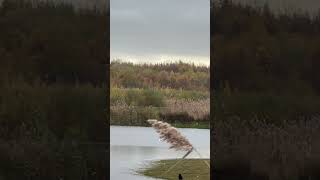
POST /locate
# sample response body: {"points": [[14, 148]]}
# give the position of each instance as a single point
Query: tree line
{"points": [[53, 43], [257, 50], [177, 75]]}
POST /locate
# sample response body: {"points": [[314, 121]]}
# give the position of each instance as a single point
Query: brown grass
{"points": [[286, 152], [183, 111], [195, 109]]}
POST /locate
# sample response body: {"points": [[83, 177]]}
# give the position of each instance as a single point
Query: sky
{"points": [[151, 31]]}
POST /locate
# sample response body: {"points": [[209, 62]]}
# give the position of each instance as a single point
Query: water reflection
{"points": [[134, 147]]}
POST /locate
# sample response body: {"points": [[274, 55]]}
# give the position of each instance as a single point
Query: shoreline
{"points": [[189, 168], [173, 124]]}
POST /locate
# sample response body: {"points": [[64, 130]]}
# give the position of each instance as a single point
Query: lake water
{"points": [[132, 148]]}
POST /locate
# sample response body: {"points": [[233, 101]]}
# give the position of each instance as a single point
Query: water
{"points": [[132, 148]]}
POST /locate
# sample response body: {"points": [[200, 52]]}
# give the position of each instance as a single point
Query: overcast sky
{"points": [[158, 30]]}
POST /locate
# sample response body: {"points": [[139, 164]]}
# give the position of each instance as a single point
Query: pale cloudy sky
{"points": [[160, 30]]}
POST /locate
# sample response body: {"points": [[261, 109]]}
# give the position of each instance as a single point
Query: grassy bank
{"points": [[137, 116], [197, 125], [188, 168], [134, 106]]}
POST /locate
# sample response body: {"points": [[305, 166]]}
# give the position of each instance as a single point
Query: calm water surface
{"points": [[134, 147]]}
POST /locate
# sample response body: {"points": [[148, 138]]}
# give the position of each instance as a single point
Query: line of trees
{"points": [[256, 50], [53, 43], [171, 75]]}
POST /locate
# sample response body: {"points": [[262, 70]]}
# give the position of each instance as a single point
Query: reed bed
{"points": [[179, 112], [50, 106], [264, 151], [42, 128], [198, 110]]}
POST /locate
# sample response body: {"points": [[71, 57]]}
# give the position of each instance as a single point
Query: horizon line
{"points": [[161, 62]]}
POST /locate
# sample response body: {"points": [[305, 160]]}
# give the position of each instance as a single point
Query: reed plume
{"points": [[171, 135]]}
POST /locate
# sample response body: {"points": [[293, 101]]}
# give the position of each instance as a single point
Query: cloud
{"points": [[180, 28]]}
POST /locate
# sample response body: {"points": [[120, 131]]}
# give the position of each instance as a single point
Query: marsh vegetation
{"points": [[265, 92], [176, 92], [52, 91]]}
